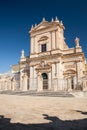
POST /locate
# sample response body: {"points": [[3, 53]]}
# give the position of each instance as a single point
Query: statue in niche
{"points": [[43, 64]]}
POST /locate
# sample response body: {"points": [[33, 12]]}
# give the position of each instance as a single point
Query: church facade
{"points": [[51, 65]]}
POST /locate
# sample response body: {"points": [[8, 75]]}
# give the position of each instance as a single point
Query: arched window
{"points": [[43, 43], [44, 75]]}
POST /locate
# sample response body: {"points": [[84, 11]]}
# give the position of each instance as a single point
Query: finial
{"points": [[77, 41], [32, 27], [35, 24], [61, 22], [52, 20], [56, 19], [43, 19]]}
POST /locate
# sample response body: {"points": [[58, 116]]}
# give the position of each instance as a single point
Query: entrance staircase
{"points": [[35, 93]]}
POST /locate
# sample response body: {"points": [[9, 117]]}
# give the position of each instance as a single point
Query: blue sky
{"points": [[17, 17]]}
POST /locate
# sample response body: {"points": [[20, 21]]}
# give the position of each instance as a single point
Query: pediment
{"points": [[45, 25], [41, 26]]}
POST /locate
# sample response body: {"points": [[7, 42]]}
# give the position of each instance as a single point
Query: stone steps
{"points": [[34, 93]]}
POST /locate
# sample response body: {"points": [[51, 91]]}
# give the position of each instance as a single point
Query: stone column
{"points": [[40, 83], [49, 42], [25, 83], [31, 77], [58, 68], [5, 85], [53, 40], [55, 84], [35, 78], [60, 77], [49, 81], [9, 84], [78, 71], [56, 78], [53, 76], [57, 42], [36, 45], [13, 84], [53, 71], [21, 80]]}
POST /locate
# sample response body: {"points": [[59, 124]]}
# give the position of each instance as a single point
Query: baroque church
{"points": [[51, 65]]}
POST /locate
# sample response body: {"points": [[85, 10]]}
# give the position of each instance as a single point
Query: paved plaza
{"points": [[42, 113]]}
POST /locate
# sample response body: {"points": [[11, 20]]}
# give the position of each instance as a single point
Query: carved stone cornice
{"points": [[46, 57], [74, 55]]}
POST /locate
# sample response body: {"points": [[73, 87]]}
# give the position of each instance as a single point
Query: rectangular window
{"points": [[43, 47]]}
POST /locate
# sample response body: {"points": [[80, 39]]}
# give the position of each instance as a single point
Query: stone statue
{"points": [[22, 54], [77, 41], [42, 64]]}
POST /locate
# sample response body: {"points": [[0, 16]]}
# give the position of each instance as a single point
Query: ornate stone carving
{"points": [[42, 67]]}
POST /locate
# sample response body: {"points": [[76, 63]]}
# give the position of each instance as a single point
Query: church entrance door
{"points": [[45, 81]]}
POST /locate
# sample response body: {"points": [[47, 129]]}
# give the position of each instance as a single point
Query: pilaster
{"points": [[40, 83], [49, 81], [49, 42], [25, 83], [53, 71], [5, 85], [57, 41], [21, 81], [35, 78], [32, 45], [53, 40], [31, 78], [36, 45]]}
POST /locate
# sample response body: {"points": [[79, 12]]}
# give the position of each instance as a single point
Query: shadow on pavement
{"points": [[84, 113], [54, 124]]}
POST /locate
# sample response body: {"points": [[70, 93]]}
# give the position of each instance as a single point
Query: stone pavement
{"points": [[42, 113]]}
